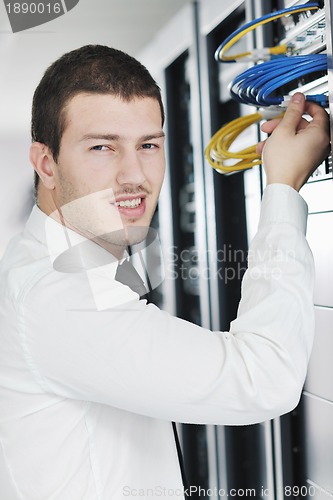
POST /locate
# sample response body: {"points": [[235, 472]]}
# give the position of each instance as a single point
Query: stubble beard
{"points": [[87, 215]]}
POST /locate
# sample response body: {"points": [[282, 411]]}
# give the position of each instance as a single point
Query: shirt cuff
{"points": [[283, 204]]}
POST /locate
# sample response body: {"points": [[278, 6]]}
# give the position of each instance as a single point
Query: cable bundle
{"points": [[218, 150], [257, 84]]}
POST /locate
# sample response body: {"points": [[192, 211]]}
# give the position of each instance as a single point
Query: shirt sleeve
{"points": [[138, 358]]}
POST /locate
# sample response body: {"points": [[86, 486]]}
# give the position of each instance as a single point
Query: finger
{"points": [[319, 127], [260, 147], [319, 116], [269, 126], [294, 112]]}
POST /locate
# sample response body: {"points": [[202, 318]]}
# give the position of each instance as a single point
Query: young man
{"points": [[91, 376]]}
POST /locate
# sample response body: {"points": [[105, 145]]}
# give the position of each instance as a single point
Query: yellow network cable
{"points": [[258, 54], [218, 151]]}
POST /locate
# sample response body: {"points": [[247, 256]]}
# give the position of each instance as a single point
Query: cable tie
{"points": [[257, 55]]}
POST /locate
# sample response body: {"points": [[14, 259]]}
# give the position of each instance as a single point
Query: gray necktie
{"points": [[128, 275]]}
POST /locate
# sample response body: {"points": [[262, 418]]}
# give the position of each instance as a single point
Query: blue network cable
{"points": [[267, 52], [258, 84]]}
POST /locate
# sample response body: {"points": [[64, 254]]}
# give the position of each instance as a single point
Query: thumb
{"points": [[295, 110]]}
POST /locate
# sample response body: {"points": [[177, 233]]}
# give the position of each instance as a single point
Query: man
{"points": [[90, 375]]}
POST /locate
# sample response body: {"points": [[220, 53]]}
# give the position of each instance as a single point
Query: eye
{"points": [[100, 147], [148, 145]]}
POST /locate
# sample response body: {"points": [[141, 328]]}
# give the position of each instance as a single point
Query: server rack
{"points": [[202, 212]]}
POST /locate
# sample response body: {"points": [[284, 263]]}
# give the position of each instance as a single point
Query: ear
{"points": [[42, 160]]}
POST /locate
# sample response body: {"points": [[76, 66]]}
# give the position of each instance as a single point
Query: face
{"points": [[110, 167]]}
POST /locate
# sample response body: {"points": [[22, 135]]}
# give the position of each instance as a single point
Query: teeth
{"points": [[129, 203]]}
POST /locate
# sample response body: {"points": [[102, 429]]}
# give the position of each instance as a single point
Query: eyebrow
{"points": [[115, 137]]}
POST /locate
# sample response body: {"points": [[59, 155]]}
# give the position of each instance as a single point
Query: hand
{"points": [[297, 146]]}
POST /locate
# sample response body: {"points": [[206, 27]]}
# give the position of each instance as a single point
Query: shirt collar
{"points": [[69, 251]]}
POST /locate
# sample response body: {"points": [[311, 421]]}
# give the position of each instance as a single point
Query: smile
{"points": [[129, 203]]}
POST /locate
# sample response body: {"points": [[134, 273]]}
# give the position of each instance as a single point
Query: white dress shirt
{"points": [[91, 376]]}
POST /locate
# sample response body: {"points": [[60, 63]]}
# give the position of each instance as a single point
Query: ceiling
{"points": [[128, 25]]}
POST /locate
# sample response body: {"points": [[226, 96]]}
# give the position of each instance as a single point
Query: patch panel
{"points": [[307, 36]]}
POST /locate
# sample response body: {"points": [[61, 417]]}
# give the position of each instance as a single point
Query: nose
{"points": [[131, 170]]}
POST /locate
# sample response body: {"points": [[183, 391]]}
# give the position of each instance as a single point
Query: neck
{"points": [[46, 204]]}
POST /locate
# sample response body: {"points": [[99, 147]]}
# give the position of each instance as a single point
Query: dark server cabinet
{"points": [[244, 447], [230, 219], [182, 183], [187, 283]]}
